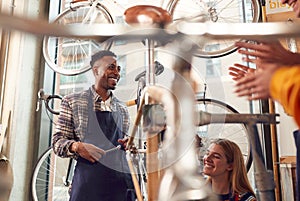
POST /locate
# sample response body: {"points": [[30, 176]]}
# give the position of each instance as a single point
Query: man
{"points": [[90, 123]]}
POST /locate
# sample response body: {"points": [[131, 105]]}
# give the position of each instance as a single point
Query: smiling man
{"points": [[90, 123]]}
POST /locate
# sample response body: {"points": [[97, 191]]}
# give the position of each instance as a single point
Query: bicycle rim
{"points": [[71, 56], [215, 11], [237, 133], [49, 176]]}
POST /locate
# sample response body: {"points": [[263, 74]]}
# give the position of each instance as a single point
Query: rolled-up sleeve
{"points": [[64, 133]]}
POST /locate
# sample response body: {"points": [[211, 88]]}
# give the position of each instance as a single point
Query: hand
{"points": [[289, 2], [237, 71], [89, 152], [123, 142], [256, 85], [296, 8], [267, 52], [294, 4]]}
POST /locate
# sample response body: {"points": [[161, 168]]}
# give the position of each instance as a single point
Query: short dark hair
{"points": [[100, 54]]}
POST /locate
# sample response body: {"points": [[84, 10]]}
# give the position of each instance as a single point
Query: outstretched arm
{"points": [[267, 52], [268, 57]]}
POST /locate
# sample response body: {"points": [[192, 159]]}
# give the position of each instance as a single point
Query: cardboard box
{"points": [[288, 178]]}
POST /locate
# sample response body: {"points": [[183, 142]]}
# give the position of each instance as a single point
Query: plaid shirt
{"points": [[73, 119]]}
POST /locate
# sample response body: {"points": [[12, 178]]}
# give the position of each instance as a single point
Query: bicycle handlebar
{"points": [[46, 98], [131, 102]]}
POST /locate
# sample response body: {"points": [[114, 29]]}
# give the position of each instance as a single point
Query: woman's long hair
{"points": [[238, 178]]}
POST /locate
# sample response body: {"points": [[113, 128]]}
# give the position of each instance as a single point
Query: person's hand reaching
{"points": [[237, 71], [267, 52], [268, 57], [256, 85]]}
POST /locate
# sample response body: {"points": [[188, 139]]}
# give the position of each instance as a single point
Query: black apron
{"points": [[108, 179]]}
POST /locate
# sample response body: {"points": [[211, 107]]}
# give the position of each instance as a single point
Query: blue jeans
{"points": [[297, 143]]}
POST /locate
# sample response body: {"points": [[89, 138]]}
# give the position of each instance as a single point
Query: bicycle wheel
{"points": [[215, 11], [71, 56], [51, 178], [237, 133]]}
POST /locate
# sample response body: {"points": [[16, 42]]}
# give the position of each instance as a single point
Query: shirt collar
{"points": [[97, 97]]}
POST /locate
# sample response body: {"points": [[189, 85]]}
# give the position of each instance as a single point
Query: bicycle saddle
{"points": [[159, 68], [146, 14]]}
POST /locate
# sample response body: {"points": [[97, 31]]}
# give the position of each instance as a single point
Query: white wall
{"points": [[285, 129]]}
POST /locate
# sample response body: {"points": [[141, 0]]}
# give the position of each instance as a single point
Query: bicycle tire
{"points": [[71, 56], [215, 11], [237, 133], [48, 181]]}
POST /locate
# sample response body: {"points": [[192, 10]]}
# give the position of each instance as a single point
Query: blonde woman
{"points": [[224, 166]]}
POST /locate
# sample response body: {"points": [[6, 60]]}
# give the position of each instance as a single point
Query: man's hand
{"points": [[88, 151], [123, 142]]}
